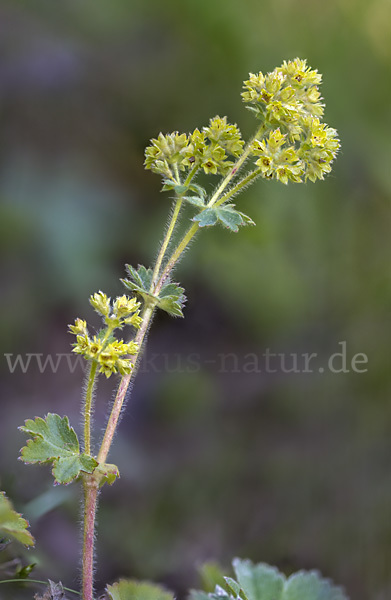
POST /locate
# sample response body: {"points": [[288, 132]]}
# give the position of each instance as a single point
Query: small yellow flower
{"points": [[80, 327], [125, 306], [101, 303]]}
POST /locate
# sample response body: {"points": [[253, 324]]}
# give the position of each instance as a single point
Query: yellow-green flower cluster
{"points": [[110, 354], [295, 145], [285, 95], [166, 152], [123, 311], [276, 159], [208, 149]]}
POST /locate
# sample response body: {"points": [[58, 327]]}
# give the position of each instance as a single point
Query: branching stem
{"points": [[159, 277], [236, 168]]}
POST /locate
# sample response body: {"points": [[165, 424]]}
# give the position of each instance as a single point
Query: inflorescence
{"points": [[296, 144], [292, 144], [208, 149], [109, 353]]}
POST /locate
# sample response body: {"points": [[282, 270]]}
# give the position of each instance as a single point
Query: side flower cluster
{"points": [[295, 145], [109, 352], [209, 149]]}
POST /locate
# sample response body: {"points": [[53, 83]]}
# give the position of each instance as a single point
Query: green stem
{"points": [[91, 491], [37, 581], [236, 168], [123, 387], [166, 241], [239, 186], [176, 255], [170, 230], [88, 407]]}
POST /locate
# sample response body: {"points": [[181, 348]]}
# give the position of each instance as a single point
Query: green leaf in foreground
{"points": [[135, 590], [263, 582], [12, 524], [53, 440], [259, 582]]}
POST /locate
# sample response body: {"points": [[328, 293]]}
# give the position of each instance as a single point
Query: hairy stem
{"points": [[176, 255], [90, 485], [166, 241], [88, 407], [249, 178], [123, 387], [170, 229], [91, 491], [236, 168]]}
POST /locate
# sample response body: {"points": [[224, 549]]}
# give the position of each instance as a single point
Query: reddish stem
{"points": [[91, 492]]}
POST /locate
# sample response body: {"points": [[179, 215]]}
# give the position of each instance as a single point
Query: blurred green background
{"points": [[288, 468]]}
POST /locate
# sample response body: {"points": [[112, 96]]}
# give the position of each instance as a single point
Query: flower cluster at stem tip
{"points": [[288, 102], [109, 352], [208, 149], [291, 144]]}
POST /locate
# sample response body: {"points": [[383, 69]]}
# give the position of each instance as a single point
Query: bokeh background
{"points": [[292, 469]]}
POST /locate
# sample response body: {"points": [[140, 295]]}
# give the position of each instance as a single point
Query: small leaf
{"points": [[133, 273], [229, 217], [171, 289], [194, 187], [206, 218], [53, 440], [25, 571], [136, 590], [233, 586], [172, 299], [168, 184], [12, 523], [195, 200], [108, 473], [246, 219], [226, 214], [140, 282], [180, 189], [171, 306], [145, 275]]}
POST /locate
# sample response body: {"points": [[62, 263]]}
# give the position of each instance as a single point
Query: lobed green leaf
{"points": [[12, 523], [226, 215], [207, 217], [171, 297], [195, 200], [259, 582], [108, 473], [53, 440], [263, 582]]}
